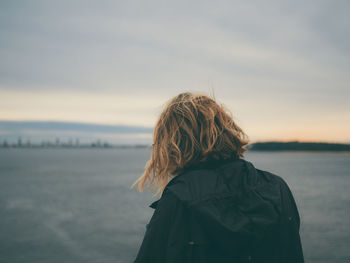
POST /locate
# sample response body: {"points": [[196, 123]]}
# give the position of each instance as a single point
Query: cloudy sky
{"points": [[281, 67]]}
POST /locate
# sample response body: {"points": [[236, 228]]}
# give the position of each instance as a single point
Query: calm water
{"points": [[75, 205]]}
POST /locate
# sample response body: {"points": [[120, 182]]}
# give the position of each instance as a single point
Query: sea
{"points": [[76, 205]]}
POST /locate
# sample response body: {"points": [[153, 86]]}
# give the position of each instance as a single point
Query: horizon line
{"points": [[74, 122], [127, 129]]}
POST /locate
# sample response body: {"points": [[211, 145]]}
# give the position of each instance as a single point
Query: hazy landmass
{"points": [[67, 134], [298, 146], [258, 146]]}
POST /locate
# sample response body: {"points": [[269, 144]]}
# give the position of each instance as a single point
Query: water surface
{"points": [[75, 205]]}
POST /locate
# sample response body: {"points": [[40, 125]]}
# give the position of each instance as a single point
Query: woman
{"points": [[214, 206]]}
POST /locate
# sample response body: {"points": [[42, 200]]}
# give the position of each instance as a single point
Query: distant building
{"points": [[19, 142], [5, 144]]}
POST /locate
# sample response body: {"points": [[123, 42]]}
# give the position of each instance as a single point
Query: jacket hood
{"points": [[229, 203]]}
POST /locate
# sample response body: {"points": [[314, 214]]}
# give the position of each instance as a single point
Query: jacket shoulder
{"points": [[287, 198], [191, 184]]}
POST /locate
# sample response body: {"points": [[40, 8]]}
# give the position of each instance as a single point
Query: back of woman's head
{"points": [[192, 129]]}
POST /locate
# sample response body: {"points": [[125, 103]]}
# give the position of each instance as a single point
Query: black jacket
{"points": [[223, 211]]}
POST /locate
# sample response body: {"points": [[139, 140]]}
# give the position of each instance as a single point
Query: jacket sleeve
{"points": [[155, 241], [294, 251]]}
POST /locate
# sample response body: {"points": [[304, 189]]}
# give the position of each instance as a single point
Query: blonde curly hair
{"points": [[192, 129]]}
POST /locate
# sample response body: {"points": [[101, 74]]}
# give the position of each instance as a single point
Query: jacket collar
{"points": [[154, 204], [203, 165]]}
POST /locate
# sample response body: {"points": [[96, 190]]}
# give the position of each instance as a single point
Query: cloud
{"points": [[100, 108], [158, 45], [272, 55]]}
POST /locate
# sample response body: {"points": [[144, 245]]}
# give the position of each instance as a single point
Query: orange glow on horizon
{"points": [[116, 109]]}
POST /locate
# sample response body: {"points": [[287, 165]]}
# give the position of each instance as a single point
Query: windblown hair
{"points": [[192, 129]]}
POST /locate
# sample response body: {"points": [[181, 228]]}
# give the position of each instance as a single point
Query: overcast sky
{"points": [[281, 67]]}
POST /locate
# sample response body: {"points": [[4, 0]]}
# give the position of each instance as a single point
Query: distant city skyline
{"points": [[282, 68], [69, 132]]}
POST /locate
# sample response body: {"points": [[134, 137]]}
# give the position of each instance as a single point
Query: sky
{"points": [[281, 67]]}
